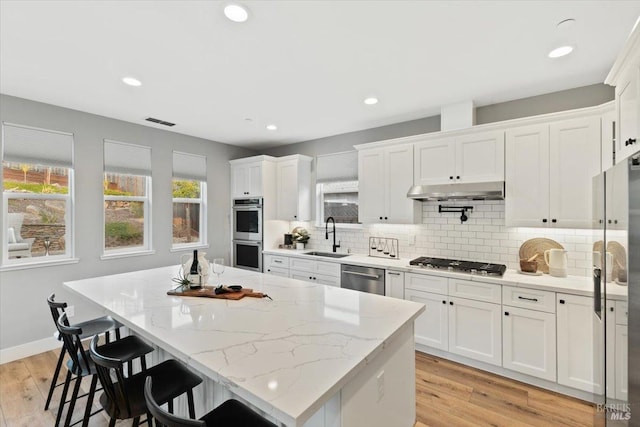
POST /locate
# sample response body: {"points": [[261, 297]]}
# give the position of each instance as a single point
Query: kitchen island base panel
{"points": [[387, 381]]}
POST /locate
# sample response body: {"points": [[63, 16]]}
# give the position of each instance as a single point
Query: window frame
{"points": [[320, 220], [69, 256], [147, 246], [202, 202]]}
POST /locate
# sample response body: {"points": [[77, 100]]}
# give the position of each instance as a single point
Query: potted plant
{"points": [[300, 236]]}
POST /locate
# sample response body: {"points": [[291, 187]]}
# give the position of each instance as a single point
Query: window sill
{"points": [[37, 264], [116, 255], [189, 247], [343, 226]]}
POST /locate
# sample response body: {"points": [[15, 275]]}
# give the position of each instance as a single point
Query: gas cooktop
{"points": [[481, 268]]}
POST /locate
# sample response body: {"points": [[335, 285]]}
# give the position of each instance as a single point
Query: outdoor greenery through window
{"points": [[126, 207], [37, 203], [188, 210], [339, 200]]}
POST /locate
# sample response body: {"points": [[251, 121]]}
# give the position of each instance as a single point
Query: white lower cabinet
{"points": [[463, 326], [475, 330], [579, 344], [529, 342], [431, 328], [394, 284], [308, 270]]}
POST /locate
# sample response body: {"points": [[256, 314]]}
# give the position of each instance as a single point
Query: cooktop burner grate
{"points": [[472, 267]]}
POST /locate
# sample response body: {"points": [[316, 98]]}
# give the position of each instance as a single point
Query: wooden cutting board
{"points": [[538, 246], [209, 292]]}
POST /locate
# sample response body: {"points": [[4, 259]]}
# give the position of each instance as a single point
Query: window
{"points": [[189, 200], [37, 175], [337, 187], [127, 198], [339, 200]]}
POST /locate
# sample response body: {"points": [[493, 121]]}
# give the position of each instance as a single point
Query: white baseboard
{"points": [[29, 349]]}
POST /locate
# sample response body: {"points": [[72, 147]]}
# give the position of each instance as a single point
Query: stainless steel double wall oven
{"points": [[247, 233]]}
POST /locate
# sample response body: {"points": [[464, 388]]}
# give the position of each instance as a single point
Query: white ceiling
{"points": [[303, 65]]}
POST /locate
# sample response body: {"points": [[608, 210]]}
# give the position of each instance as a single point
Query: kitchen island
{"points": [[312, 356]]}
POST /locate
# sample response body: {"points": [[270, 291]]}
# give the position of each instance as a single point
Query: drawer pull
{"points": [[528, 299], [393, 274], [277, 261]]}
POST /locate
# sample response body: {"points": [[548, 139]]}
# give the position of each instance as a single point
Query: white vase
{"points": [[187, 259]]}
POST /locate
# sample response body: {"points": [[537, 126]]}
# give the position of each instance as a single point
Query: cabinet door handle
{"points": [[268, 269], [528, 299], [451, 177], [506, 313], [632, 141], [357, 273], [444, 302], [393, 273], [295, 216], [277, 261], [458, 177], [386, 217], [544, 219], [450, 302], [561, 301], [310, 278], [554, 220], [610, 308], [380, 217]]}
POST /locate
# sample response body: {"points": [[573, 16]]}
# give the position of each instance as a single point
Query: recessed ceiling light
{"points": [[272, 127], [560, 51], [371, 100], [131, 81], [236, 12]]}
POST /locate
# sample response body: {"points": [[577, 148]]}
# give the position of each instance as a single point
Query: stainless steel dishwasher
{"points": [[364, 279]]}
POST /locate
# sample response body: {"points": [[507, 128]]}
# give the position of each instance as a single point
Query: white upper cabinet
{"points": [[549, 171], [527, 176], [574, 159], [293, 188], [627, 107], [625, 76], [476, 157], [246, 179], [385, 175]]}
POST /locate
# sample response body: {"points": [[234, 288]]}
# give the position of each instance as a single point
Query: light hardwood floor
{"points": [[447, 394]]}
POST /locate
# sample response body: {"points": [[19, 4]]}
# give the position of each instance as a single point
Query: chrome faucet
{"points": [[326, 232]]}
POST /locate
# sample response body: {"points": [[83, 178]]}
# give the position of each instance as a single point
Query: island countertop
{"points": [[287, 356]]}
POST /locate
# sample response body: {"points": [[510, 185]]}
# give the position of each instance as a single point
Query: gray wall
{"points": [[570, 99], [24, 315]]}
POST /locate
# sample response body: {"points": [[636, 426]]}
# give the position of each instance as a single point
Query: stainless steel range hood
{"points": [[470, 191]]}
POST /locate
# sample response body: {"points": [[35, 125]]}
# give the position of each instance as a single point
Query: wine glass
{"points": [[217, 266]]}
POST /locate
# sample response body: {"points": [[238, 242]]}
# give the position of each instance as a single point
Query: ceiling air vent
{"points": [[160, 122]]}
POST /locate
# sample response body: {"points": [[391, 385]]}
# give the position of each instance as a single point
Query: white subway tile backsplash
{"points": [[484, 237]]}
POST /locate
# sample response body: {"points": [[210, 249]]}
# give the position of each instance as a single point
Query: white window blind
{"points": [[24, 144], [337, 167], [189, 166], [129, 159]]}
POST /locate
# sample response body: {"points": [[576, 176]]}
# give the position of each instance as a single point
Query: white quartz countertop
{"points": [[287, 356], [575, 285]]}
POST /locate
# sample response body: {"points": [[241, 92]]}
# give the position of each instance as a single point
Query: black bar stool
{"points": [[124, 398], [231, 413], [91, 327], [80, 365]]}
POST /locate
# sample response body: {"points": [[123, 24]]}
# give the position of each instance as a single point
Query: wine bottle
{"points": [[194, 274]]}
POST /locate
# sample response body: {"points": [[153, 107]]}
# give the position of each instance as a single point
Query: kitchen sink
{"points": [[327, 254]]}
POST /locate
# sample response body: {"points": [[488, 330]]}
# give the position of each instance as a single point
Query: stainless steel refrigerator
{"points": [[616, 286]]}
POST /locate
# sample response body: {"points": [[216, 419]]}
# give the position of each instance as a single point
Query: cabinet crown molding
{"points": [[495, 126], [630, 53], [253, 159]]}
